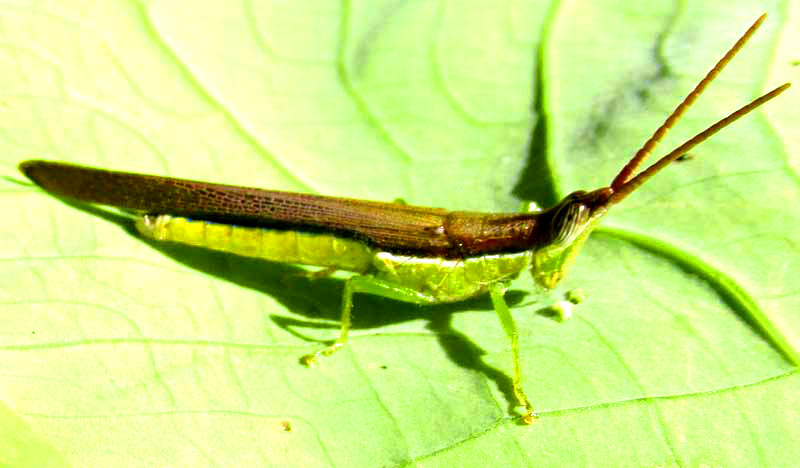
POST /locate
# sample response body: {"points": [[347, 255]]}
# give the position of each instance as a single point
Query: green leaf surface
{"points": [[120, 352]]}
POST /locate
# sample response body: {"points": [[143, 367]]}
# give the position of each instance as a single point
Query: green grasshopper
{"points": [[403, 252]]}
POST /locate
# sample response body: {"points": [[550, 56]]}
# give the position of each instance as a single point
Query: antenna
{"points": [[623, 184], [643, 176]]}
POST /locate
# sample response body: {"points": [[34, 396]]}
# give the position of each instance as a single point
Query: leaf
{"points": [[120, 352]]}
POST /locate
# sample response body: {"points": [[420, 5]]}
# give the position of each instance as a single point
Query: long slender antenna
{"points": [[642, 177], [626, 172]]}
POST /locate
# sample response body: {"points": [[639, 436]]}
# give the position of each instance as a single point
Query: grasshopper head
{"points": [[566, 227], [574, 214]]}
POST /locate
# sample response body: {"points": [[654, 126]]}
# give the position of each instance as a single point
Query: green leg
{"points": [[366, 285], [496, 292]]}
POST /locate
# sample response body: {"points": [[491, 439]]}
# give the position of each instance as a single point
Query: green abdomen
{"points": [[444, 279], [270, 244], [450, 280]]}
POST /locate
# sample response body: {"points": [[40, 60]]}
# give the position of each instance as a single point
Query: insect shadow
{"points": [[290, 285]]}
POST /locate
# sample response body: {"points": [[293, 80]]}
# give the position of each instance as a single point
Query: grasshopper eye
{"points": [[569, 220]]}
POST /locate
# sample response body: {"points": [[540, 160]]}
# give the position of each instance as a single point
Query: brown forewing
{"points": [[390, 226]]}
